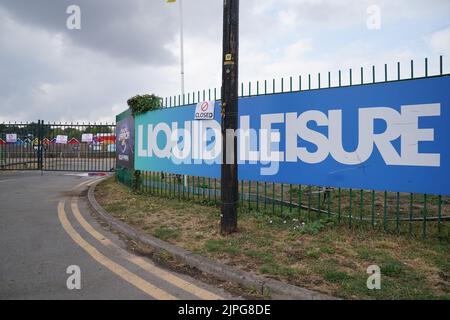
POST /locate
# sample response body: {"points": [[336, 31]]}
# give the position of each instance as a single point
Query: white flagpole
{"points": [[182, 47], [182, 63]]}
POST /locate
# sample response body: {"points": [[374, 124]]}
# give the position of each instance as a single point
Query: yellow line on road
{"points": [[122, 272], [83, 183], [88, 182], [145, 265]]}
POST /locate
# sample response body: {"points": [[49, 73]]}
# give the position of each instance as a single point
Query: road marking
{"points": [[96, 180], [82, 184], [145, 265], [6, 180], [122, 272], [88, 182]]}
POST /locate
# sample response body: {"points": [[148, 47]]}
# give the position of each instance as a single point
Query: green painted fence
{"points": [[416, 215]]}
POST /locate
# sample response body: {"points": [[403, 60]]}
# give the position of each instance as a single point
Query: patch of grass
{"points": [[275, 269], [392, 269], [264, 257], [222, 246], [313, 228], [328, 250], [336, 276], [313, 253], [214, 245], [166, 233], [364, 253], [232, 250]]}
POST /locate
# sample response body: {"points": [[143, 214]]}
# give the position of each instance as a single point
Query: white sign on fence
{"points": [[205, 110], [60, 139], [11, 138], [87, 137]]}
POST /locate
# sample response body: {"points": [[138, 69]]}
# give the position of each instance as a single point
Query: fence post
{"points": [[40, 134]]}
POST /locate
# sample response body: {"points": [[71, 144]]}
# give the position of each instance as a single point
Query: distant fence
{"points": [[416, 215], [35, 146]]}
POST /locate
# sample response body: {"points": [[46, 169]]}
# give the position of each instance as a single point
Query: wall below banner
{"points": [[387, 136]]}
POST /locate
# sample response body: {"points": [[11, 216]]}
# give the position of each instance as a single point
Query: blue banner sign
{"points": [[387, 136]]}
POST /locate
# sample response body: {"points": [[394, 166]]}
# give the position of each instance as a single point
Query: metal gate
{"points": [[57, 147]]}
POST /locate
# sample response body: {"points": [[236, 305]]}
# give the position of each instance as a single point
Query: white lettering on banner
{"points": [[141, 151], [411, 135], [272, 136], [164, 128], [298, 127], [365, 145], [201, 141], [246, 135], [181, 151], [210, 130]]}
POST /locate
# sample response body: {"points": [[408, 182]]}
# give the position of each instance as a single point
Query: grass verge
{"points": [[318, 255]]}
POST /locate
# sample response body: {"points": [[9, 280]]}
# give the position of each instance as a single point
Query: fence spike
{"points": [[373, 74], [385, 72], [362, 75]]}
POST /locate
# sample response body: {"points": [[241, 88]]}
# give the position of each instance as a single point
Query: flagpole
{"points": [[185, 182], [182, 48]]}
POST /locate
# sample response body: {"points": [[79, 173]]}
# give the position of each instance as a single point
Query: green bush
{"points": [[141, 104]]}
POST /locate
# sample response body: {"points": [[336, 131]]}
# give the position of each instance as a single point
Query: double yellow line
{"points": [[125, 274]]}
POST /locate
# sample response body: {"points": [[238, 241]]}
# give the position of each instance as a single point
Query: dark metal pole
{"points": [[229, 183], [39, 146]]}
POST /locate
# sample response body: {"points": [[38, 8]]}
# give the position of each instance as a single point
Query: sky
{"points": [[125, 48]]}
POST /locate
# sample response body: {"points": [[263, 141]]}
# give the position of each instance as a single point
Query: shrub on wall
{"points": [[141, 104]]}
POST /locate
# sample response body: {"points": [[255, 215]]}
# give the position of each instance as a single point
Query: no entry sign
{"points": [[204, 110]]}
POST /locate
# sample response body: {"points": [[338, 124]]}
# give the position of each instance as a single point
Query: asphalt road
{"points": [[46, 226]]}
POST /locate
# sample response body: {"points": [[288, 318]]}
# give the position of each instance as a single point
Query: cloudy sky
{"points": [[131, 47]]}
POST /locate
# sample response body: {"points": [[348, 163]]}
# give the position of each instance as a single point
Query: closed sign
{"points": [[204, 110]]}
